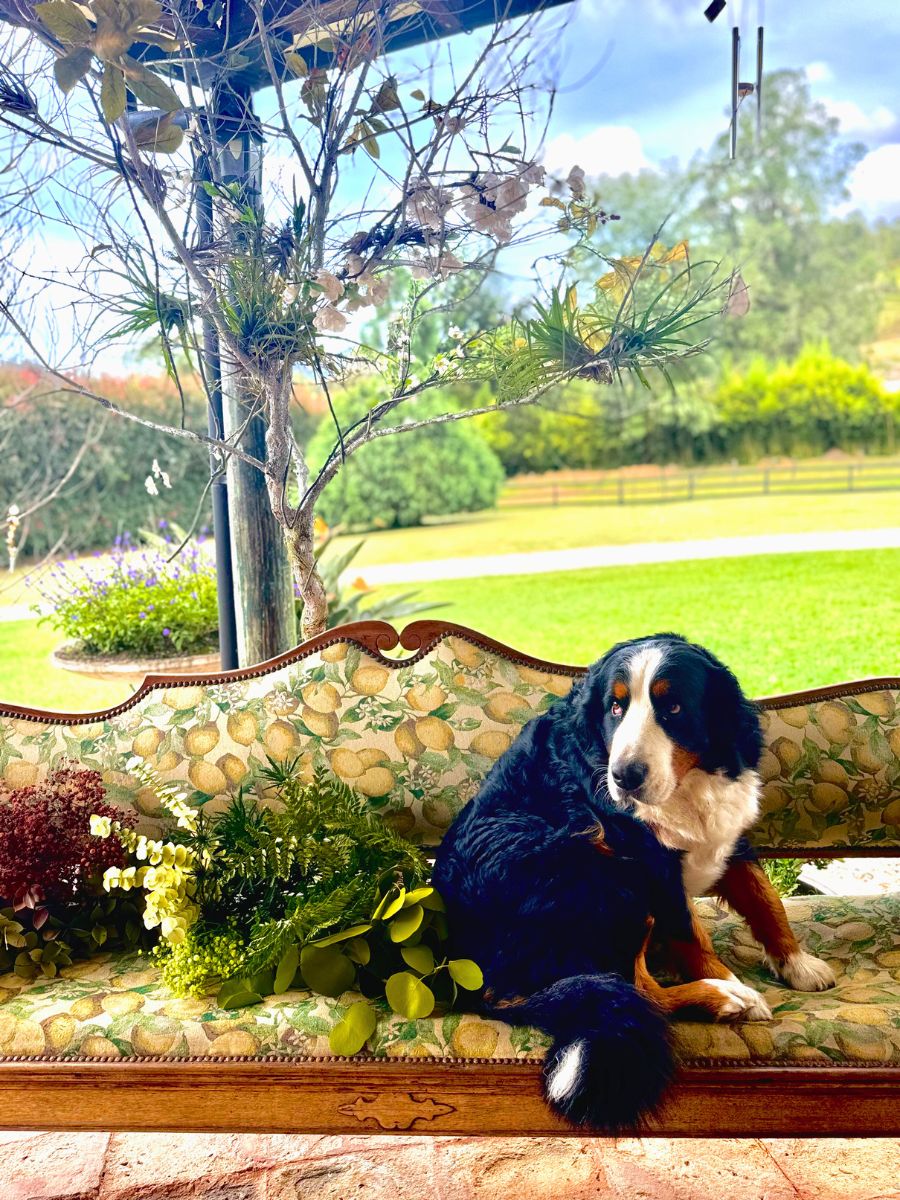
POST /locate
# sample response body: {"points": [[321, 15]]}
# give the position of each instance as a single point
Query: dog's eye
{"points": [[616, 709], [675, 708]]}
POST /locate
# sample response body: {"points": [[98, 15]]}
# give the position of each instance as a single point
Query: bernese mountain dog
{"points": [[606, 815]]}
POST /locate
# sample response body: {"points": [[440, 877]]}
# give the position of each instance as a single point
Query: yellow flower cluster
{"points": [[169, 879]]}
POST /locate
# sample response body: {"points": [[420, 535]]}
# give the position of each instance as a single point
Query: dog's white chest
{"points": [[704, 819]]}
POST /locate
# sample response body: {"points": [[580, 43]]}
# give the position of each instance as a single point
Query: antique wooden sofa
{"points": [[103, 1046]]}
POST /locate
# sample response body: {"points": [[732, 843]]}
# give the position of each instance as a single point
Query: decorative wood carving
{"points": [[395, 1111]]}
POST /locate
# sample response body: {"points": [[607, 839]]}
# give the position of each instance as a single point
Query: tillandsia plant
{"points": [[52, 905], [384, 165], [317, 893]]}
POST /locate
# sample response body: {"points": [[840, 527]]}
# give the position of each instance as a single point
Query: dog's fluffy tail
{"points": [[610, 1060]]}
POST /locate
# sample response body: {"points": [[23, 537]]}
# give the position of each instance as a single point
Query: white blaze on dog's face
{"points": [[641, 752]]}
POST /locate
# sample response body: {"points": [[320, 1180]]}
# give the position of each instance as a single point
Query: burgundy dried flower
{"points": [[47, 852]]}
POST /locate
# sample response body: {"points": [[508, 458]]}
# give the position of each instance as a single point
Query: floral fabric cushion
{"points": [[416, 739], [115, 1007]]}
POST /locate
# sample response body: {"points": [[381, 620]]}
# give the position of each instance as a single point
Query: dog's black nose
{"points": [[630, 777]]}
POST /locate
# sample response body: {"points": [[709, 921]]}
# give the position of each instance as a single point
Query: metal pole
{"points": [[219, 488]]}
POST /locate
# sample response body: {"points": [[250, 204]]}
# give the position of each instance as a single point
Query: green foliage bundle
{"points": [[317, 893], [394, 482]]}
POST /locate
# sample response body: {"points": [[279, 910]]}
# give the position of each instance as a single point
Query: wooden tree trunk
{"points": [[263, 584]]}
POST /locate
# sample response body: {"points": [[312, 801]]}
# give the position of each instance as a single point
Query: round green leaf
{"points": [[466, 973], [343, 936], [418, 896], [359, 951], [287, 969], [409, 996], [72, 67], [326, 971], [395, 905], [406, 923], [242, 999], [112, 93], [419, 958], [65, 21], [354, 1030]]}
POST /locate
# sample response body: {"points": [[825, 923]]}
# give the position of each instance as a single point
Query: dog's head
{"points": [[663, 706]]}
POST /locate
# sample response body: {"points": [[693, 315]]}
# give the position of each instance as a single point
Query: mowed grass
{"points": [[512, 530], [28, 677], [782, 623]]}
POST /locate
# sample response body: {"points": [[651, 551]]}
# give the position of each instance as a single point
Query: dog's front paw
{"points": [[739, 1002], [803, 972]]}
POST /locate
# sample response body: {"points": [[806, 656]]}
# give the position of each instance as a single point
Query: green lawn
{"points": [[791, 621], [508, 530], [787, 622]]}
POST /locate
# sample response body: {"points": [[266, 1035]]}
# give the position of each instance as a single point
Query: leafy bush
{"points": [[318, 893], [139, 603], [52, 906], [397, 481]]}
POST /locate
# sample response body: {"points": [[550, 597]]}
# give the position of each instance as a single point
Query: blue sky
{"points": [[660, 78]]}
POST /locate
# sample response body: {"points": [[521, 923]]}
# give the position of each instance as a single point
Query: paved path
{"points": [[542, 561]]}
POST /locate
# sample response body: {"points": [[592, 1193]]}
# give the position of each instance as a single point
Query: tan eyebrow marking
{"points": [[620, 690], [660, 687]]}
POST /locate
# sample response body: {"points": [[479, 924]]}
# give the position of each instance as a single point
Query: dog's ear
{"points": [[588, 697], [736, 735]]}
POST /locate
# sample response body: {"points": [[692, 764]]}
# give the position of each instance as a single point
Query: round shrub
{"points": [[398, 480]]}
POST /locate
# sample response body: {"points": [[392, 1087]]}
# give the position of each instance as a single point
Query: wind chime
{"points": [[740, 90]]}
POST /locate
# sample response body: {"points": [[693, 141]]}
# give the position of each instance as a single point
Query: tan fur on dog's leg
{"points": [[747, 889]]}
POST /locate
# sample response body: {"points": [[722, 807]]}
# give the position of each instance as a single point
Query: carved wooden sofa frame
{"points": [[455, 1096]]}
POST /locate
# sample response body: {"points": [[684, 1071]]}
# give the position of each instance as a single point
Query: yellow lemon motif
{"points": [[155, 1035], [888, 958], [346, 763], [168, 761], [95, 1046], [206, 777], [406, 741], [86, 1008], [438, 812], [424, 698], [323, 725], [335, 653], [409, 1050], [183, 697], [18, 1035], [200, 739], [120, 1003], [796, 717], [370, 757], [322, 697], [376, 781], [20, 774], [829, 771], [186, 1008], [774, 798], [696, 1040], [503, 705], [800, 1052], [865, 757], [827, 797], [862, 1042], [147, 742], [759, 1039], [769, 766], [890, 814], [474, 1038], [862, 1014], [59, 1031], [894, 741], [147, 802], [242, 728], [401, 822], [836, 721], [232, 768], [281, 739], [491, 743], [368, 680], [787, 752], [239, 1043], [434, 733], [879, 704], [465, 652]]}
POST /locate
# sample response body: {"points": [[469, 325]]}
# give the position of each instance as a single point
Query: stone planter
{"points": [[132, 671]]}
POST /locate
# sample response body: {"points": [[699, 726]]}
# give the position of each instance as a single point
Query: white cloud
{"points": [[855, 120], [819, 72], [606, 150], [875, 183]]}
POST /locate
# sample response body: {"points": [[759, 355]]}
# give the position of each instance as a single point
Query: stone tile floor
{"points": [[97, 1166]]}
